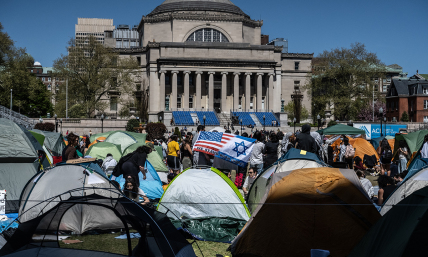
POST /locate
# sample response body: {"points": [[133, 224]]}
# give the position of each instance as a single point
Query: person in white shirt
{"points": [[252, 175], [367, 185], [108, 162], [402, 156], [256, 158]]}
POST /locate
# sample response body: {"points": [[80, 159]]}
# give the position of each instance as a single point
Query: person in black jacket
{"points": [[304, 140], [136, 163]]}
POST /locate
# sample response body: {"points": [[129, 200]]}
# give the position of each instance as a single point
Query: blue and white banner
{"points": [[229, 147], [374, 131]]}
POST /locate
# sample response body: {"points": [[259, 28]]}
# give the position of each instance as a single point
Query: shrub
{"points": [[132, 123], [46, 126], [155, 130], [331, 123], [404, 117]]}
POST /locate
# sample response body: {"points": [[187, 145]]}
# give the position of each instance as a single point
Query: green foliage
{"points": [[93, 72], [331, 123], [46, 126], [30, 96], [155, 130], [289, 107], [77, 111], [132, 123], [404, 117], [343, 80]]}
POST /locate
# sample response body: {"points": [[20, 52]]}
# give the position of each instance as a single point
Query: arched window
{"points": [[207, 35]]}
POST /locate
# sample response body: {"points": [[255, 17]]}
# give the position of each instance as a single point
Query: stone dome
{"points": [[197, 5], [37, 64]]}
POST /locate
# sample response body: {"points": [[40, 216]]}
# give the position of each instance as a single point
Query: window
{"points": [[31, 71], [49, 87], [425, 90], [425, 119], [296, 85], [384, 88], [296, 65], [113, 104], [191, 102], [388, 79], [178, 102], [425, 104], [49, 78], [207, 35], [43, 78]]}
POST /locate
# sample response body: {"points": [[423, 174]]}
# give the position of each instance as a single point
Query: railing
{"points": [[250, 110], [16, 117], [191, 110]]}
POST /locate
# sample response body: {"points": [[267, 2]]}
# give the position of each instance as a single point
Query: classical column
{"points": [[173, 98], [247, 90], [223, 91], [162, 90], [270, 105], [259, 91], [198, 90], [277, 90], [211, 91], [236, 91], [185, 100]]}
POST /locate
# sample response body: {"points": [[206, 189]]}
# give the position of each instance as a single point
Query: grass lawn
{"points": [[108, 243]]}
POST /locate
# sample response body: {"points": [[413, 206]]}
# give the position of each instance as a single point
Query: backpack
{"points": [[387, 154], [350, 151], [117, 171]]}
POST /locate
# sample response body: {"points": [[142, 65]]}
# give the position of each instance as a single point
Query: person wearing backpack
{"points": [[349, 153], [386, 157]]}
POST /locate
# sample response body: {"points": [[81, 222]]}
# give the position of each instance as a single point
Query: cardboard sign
{"points": [[2, 201], [81, 160]]}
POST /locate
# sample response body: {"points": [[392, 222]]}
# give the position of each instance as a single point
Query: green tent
{"points": [[53, 141], [101, 149], [39, 137], [414, 140], [153, 158], [340, 129], [159, 150], [95, 136], [400, 232], [14, 144], [139, 137]]}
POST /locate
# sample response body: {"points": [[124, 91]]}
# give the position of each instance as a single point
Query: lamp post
{"points": [[60, 121], [56, 123], [381, 112], [160, 119], [102, 123], [319, 120], [294, 123], [384, 121], [241, 126], [204, 119], [264, 122]]}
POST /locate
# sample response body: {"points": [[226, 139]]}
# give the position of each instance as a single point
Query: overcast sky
{"points": [[396, 31]]}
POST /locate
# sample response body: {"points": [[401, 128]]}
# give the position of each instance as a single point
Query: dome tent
{"points": [[101, 149], [210, 205], [53, 141], [164, 240], [121, 138], [153, 157], [294, 159], [315, 208], [18, 162], [77, 180]]}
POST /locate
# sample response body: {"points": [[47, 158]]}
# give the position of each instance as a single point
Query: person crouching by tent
{"points": [[169, 178], [173, 153], [367, 185], [135, 164], [133, 192], [108, 162]]}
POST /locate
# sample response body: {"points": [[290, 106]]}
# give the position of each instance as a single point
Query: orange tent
{"points": [[361, 146], [99, 139]]}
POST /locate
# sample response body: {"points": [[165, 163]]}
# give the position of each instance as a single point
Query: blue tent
{"points": [[294, 153], [152, 185]]}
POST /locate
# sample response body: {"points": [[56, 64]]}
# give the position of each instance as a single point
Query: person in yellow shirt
{"points": [[173, 159]]}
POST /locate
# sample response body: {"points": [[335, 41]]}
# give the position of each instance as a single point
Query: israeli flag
{"points": [[237, 150]]}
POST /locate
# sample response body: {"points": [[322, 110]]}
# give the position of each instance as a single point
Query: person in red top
{"points": [[359, 164]]}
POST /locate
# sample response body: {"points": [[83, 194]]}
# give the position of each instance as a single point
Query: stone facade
{"points": [[222, 68]]}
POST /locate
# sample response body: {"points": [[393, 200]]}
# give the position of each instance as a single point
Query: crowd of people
{"points": [[269, 146]]}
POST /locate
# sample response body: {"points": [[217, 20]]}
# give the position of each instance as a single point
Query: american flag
{"points": [[211, 142]]}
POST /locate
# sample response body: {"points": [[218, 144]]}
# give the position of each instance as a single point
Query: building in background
{"points": [[122, 37], [280, 42], [86, 27], [408, 95], [45, 75]]}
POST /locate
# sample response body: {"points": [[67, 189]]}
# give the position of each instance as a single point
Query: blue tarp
{"points": [[131, 235], [294, 153], [152, 185], [4, 224]]}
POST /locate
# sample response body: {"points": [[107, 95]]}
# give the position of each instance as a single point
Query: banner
{"points": [[229, 147], [374, 131]]}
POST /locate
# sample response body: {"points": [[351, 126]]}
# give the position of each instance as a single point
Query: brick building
{"points": [[45, 75], [408, 95]]}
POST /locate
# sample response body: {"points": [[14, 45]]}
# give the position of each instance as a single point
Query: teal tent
{"points": [[340, 129]]}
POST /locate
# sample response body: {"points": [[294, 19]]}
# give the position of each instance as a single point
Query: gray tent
{"points": [[53, 141], [78, 180], [18, 162]]}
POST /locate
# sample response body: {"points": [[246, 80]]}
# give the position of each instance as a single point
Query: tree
{"points": [[94, 72], [404, 117], [366, 112], [30, 96], [132, 124], [343, 80], [289, 107], [155, 130]]}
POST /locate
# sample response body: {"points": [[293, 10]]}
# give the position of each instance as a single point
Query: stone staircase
{"points": [[16, 117], [224, 118], [254, 117]]}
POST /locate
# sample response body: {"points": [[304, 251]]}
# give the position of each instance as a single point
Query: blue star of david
{"points": [[241, 146]]}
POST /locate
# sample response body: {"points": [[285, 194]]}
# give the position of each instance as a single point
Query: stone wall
{"points": [[84, 126]]}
